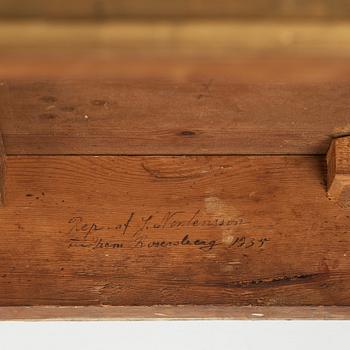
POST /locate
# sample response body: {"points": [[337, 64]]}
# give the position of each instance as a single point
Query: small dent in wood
{"points": [[187, 133]]}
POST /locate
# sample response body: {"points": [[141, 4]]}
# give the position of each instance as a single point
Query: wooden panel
{"points": [[144, 231], [183, 38], [327, 9], [167, 117]]}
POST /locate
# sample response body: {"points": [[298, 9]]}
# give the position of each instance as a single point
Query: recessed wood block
{"points": [[338, 173]]}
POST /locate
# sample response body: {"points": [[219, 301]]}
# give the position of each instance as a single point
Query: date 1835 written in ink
{"points": [[153, 231]]}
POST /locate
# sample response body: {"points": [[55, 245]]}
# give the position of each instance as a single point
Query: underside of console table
{"points": [[157, 167]]}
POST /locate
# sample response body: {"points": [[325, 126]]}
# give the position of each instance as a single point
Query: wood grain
{"points": [[90, 9], [143, 231], [146, 116]]}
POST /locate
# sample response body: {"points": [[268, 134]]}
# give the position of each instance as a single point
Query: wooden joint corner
{"points": [[338, 169]]}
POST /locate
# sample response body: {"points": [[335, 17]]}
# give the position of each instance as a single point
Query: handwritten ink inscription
{"points": [[136, 231]]}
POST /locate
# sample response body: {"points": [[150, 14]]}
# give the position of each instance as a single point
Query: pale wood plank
{"points": [[178, 312], [200, 38]]}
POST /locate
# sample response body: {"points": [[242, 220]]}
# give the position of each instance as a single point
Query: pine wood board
{"points": [[167, 117], [145, 231]]}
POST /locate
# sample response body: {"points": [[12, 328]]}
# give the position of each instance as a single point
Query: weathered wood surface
{"points": [[166, 117], [338, 164], [174, 312], [143, 231], [107, 9]]}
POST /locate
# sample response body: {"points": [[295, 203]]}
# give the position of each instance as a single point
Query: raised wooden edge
{"points": [[2, 172], [173, 312], [338, 167]]}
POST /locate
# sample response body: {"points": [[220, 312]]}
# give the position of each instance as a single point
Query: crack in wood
{"points": [[271, 282]]}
